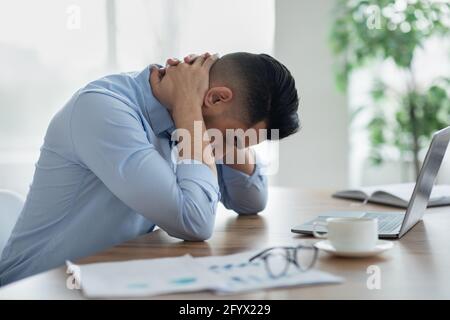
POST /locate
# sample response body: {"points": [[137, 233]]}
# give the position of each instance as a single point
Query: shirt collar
{"points": [[158, 115]]}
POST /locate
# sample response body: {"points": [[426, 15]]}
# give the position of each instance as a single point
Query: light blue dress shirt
{"points": [[105, 176]]}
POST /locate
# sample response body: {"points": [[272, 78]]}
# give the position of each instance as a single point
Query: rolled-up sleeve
{"points": [[109, 139], [243, 193]]}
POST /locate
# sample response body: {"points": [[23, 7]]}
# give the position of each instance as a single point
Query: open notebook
{"points": [[397, 195]]}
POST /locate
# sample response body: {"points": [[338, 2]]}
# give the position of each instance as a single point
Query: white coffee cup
{"points": [[349, 234]]}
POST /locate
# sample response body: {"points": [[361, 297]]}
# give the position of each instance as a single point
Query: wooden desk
{"points": [[417, 267]]}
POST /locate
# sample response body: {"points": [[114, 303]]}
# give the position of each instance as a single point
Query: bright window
{"points": [[50, 48]]}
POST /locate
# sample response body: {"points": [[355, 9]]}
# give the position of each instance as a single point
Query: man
{"points": [[105, 174]]}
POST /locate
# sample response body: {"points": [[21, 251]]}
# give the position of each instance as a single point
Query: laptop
{"points": [[395, 224]]}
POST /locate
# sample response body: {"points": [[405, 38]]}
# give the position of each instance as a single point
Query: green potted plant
{"points": [[374, 31]]}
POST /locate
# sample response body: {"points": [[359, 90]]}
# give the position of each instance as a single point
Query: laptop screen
{"points": [[426, 178]]}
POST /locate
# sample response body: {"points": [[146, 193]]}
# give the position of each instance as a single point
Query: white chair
{"points": [[11, 205]]}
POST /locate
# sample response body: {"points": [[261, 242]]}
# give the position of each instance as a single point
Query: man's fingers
{"points": [[210, 61], [190, 58], [201, 59], [155, 78], [172, 62], [198, 61]]}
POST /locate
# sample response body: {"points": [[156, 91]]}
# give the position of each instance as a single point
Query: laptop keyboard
{"points": [[388, 222]]}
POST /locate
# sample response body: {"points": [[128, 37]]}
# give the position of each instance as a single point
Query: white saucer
{"points": [[382, 245]]}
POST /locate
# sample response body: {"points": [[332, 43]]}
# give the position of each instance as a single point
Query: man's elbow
{"points": [[199, 224], [257, 205], [192, 234], [251, 211], [199, 236], [202, 233]]}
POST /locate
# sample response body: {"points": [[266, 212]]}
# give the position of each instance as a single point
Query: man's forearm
{"points": [[194, 146], [244, 186]]}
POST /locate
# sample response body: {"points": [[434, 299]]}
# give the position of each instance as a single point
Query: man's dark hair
{"points": [[265, 86]]}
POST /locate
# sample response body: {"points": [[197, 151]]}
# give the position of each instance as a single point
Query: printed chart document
{"points": [[221, 274], [139, 278], [237, 274]]}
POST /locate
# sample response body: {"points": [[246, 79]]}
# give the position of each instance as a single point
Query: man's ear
{"points": [[217, 96]]}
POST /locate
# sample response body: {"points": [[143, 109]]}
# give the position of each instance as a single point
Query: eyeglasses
{"points": [[278, 259]]}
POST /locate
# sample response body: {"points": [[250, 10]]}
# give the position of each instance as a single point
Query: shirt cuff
{"points": [[200, 173], [256, 178]]}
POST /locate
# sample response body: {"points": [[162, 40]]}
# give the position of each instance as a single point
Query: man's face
{"points": [[232, 131], [224, 116]]}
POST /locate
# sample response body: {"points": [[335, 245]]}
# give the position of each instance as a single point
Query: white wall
{"points": [[318, 155], [41, 40]]}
